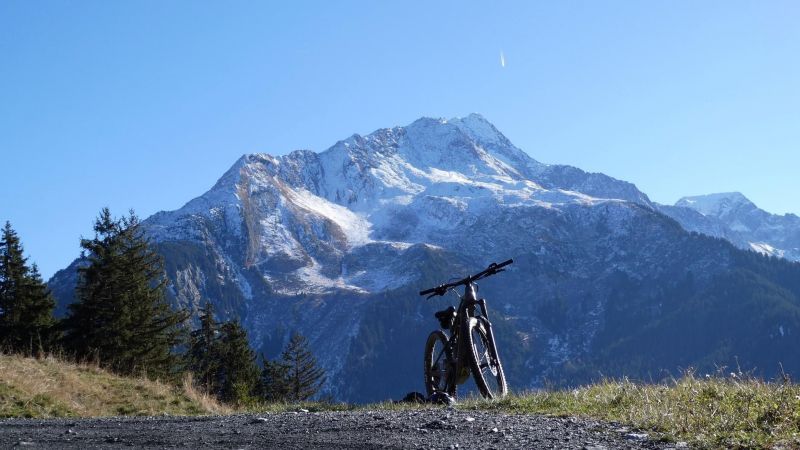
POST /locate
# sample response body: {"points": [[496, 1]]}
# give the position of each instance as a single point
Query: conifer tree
{"points": [[121, 316], [238, 371], [39, 325], [274, 380], [304, 377], [26, 305], [203, 356]]}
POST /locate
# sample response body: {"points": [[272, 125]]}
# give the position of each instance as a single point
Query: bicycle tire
{"points": [[483, 359], [436, 377]]}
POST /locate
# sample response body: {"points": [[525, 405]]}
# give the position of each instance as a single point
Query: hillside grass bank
{"points": [[49, 387]]}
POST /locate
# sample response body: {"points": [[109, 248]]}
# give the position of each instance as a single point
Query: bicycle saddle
{"points": [[446, 314]]}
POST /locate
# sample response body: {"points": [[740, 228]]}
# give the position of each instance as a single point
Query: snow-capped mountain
{"points": [[733, 217], [375, 196], [337, 244]]}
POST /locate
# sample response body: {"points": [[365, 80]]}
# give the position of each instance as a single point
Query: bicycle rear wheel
{"points": [[483, 359], [437, 364]]}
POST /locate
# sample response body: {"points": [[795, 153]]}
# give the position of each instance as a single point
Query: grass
{"points": [[48, 387]]}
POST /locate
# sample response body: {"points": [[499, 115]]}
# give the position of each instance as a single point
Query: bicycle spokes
{"points": [[486, 368], [437, 363]]}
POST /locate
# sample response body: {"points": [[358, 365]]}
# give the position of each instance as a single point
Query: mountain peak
{"points": [[717, 205], [474, 126], [480, 129]]}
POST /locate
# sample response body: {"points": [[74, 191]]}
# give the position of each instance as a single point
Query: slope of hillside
{"points": [[336, 245], [52, 388]]}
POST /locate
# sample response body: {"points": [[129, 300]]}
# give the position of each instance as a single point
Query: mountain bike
{"points": [[470, 346]]}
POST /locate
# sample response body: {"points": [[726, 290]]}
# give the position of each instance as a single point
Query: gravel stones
{"points": [[426, 428]]}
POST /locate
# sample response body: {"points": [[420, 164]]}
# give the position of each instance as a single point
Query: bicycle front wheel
{"points": [[483, 359], [437, 364]]}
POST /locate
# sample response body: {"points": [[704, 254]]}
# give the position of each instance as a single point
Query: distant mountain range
{"points": [[337, 244], [733, 217]]}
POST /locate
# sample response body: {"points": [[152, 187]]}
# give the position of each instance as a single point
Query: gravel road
{"points": [[440, 429]]}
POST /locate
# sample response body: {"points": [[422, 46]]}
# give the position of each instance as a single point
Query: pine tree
{"points": [[26, 305], [274, 381], [203, 356], [238, 371], [304, 377], [121, 316], [39, 325]]}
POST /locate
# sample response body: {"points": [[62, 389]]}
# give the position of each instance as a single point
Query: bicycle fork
{"points": [[489, 333]]}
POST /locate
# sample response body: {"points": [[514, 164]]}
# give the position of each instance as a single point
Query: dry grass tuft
{"points": [[207, 402], [49, 387]]}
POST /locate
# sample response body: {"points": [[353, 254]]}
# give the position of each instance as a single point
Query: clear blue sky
{"points": [[144, 104]]}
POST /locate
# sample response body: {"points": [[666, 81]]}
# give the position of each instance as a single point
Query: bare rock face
{"points": [[336, 245]]}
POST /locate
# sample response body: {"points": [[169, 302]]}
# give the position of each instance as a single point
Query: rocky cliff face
{"points": [[337, 244]]}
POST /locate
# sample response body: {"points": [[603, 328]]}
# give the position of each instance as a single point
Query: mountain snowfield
{"points": [[337, 244]]}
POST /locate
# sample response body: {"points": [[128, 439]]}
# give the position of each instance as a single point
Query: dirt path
{"points": [[440, 429]]}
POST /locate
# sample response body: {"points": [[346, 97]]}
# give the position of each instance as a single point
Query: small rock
{"points": [[303, 410], [260, 420], [495, 430], [636, 436], [470, 419], [435, 424]]}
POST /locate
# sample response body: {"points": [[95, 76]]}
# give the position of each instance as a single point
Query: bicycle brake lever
{"points": [[440, 290], [493, 272]]}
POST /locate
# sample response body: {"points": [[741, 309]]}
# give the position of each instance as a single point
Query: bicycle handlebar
{"points": [[489, 271]]}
